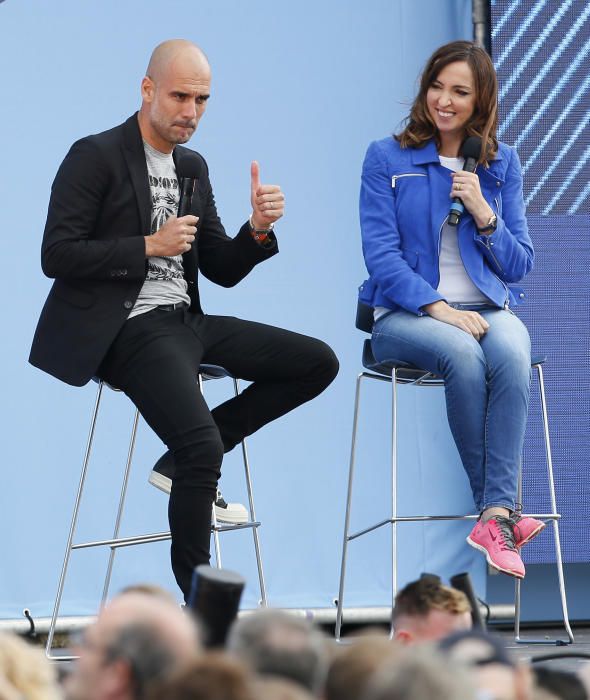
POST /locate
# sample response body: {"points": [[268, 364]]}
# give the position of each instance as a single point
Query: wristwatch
{"points": [[491, 225], [260, 234]]}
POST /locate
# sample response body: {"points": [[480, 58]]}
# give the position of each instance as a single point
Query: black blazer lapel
{"points": [[135, 158]]}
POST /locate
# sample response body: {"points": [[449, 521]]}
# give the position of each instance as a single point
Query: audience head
{"points": [[584, 676], [212, 676], [420, 672], [275, 688], [138, 639], [150, 589], [276, 643], [560, 684], [354, 664], [492, 668], [427, 610], [25, 672]]}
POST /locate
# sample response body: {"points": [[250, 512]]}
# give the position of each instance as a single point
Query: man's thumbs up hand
{"points": [[268, 202]]}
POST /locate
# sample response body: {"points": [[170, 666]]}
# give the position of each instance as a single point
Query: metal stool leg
{"points": [[216, 544], [393, 493], [263, 601], [517, 581], [558, 558], [345, 540], [107, 578], [64, 569]]}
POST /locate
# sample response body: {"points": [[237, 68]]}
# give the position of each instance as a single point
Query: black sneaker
{"points": [[161, 477]]}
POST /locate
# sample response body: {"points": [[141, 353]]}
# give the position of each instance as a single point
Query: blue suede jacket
{"points": [[404, 203]]}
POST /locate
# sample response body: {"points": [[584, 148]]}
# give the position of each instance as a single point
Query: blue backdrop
{"points": [[303, 88], [541, 50]]}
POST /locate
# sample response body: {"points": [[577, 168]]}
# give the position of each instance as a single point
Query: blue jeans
{"points": [[486, 389]]}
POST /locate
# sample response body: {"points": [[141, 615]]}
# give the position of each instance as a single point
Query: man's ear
{"points": [[117, 679], [403, 636], [147, 89]]}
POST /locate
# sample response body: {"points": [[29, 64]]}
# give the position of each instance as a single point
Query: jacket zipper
{"points": [[438, 247], [396, 177], [485, 241]]}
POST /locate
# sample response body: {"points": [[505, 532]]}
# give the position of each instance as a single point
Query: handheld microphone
{"points": [[470, 150], [187, 171]]}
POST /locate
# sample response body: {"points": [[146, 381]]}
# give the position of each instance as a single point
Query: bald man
{"points": [[125, 302], [138, 640]]}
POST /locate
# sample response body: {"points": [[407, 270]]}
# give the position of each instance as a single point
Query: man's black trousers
{"points": [[155, 360]]}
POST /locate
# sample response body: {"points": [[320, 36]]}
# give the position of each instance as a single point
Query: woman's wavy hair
{"points": [[419, 127]]}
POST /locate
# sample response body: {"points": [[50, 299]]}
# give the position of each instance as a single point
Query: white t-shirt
{"points": [[164, 282], [455, 284]]}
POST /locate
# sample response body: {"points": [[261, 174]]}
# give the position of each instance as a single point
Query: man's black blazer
{"points": [[94, 247]]}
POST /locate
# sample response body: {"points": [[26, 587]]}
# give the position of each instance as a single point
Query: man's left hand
{"points": [[268, 202]]}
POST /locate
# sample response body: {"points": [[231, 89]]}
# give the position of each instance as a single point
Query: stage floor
{"points": [[530, 652]]}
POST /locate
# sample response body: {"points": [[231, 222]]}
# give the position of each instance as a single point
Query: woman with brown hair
{"points": [[440, 291]]}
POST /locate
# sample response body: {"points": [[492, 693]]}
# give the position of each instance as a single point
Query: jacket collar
{"points": [[429, 154], [426, 154]]}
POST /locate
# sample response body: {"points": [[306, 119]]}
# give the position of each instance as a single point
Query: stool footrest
{"points": [[237, 526], [556, 642], [157, 537], [436, 518], [124, 541]]}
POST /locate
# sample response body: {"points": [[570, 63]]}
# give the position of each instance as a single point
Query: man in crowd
{"points": [[125, 302], [138, 640], [495, 672], [427, 610], [277, 643]]}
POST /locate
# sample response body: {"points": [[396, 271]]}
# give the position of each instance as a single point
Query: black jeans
{"points": [[155, 359]]}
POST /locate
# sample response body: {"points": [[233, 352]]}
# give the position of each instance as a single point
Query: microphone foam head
{"points": [[188, 167], [471, 148]]}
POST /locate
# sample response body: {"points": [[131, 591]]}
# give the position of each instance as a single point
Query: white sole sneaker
{"points": [[231, 513], [160, 481]]}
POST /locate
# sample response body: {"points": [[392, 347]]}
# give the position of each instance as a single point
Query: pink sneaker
{"points": [[525, 528], [495, 539]]}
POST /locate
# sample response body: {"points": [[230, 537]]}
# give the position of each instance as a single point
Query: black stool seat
{"points": [[214, 372], [407, 372]]}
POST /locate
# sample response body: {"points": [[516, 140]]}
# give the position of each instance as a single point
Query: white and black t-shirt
{"points": [[164, 282]]}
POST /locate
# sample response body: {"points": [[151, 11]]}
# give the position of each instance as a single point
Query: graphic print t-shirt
{"points": [[164, 282]]}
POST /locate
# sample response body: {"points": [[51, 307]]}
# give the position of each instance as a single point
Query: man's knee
{"points": [[325, 362], [200, 449]]}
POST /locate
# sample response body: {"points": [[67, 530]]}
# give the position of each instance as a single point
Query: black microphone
{"points": [[187, 171], [470, 150], [215, 599], [462, 582]]}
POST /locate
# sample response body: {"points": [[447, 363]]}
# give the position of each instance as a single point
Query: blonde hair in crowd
{"points": [[25, 672]]}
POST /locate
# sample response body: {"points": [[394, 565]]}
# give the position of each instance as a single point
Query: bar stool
{"points": [[403, 373], [206, 372]]}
